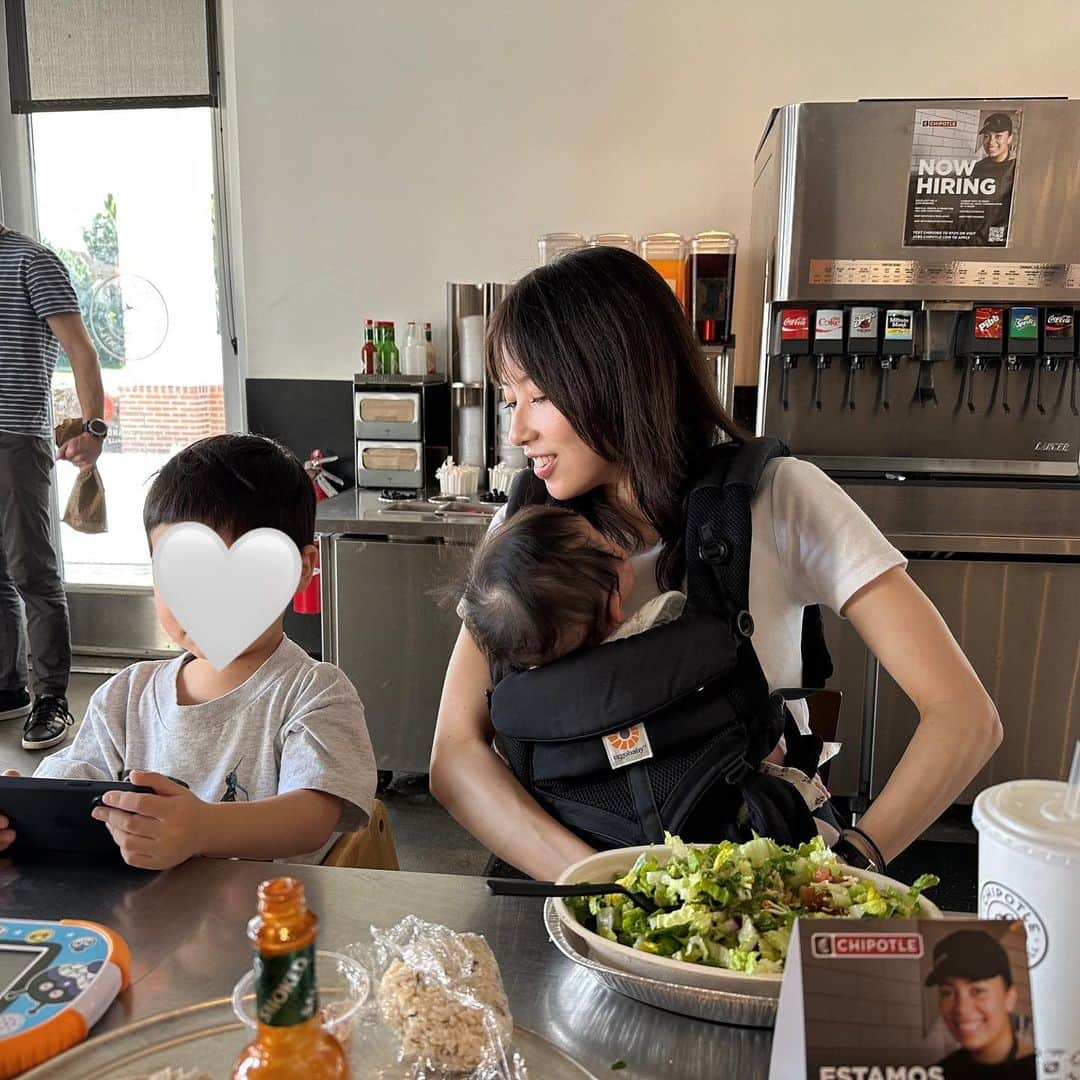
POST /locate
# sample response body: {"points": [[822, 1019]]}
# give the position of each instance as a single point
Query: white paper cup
{"points": [[1029, 869], [471, 348]]}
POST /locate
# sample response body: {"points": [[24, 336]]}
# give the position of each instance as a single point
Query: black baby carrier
{"points": [[665, 730]]}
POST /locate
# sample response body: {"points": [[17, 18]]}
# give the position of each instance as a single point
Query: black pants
{"points": [[29, 578]]}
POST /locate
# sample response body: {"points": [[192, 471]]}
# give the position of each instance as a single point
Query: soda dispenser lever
{"points": [[939, 343], [985, 342], [1023, 341], [828, 342], [1059, 340], [899, 341], [793, 333], [863, 326]]}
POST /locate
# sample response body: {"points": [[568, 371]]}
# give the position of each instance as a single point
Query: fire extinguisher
{"points": [[308, 600], [321, 477]]}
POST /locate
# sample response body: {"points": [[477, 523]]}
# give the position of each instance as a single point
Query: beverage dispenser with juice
{"points": [[666, 254]]}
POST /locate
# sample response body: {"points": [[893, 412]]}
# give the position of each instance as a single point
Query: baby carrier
{"points": [[665, 730]]}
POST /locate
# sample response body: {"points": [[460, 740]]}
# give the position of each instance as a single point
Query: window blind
{"points": [[111, 54]]}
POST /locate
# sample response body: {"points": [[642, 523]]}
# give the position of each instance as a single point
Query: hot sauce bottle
{"points": [[290, 1041]]}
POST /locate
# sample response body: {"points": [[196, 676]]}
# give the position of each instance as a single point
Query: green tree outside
{"points": [[93, 277]]}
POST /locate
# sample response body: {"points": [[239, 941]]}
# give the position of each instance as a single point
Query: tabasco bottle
{"points": [[290, 1041], [369, 360]]}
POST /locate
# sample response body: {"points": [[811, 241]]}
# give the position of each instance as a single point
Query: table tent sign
{"points": [[909, 999]]}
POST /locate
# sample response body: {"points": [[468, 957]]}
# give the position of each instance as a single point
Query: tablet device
{"points": [[54, 815]]}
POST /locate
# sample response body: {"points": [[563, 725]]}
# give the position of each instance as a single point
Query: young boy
{"points": [[268, 758]]}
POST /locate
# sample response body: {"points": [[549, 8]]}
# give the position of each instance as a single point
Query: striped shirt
{"points": [[34, 284]]}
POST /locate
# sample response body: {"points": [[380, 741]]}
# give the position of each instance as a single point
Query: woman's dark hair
{"points": [[233, 484], [602, 335], [537, 589]]}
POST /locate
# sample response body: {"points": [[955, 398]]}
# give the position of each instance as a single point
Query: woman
{"points": [[612, 403]]}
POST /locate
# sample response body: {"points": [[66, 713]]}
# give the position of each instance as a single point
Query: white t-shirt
{"points": [[811, 544]]}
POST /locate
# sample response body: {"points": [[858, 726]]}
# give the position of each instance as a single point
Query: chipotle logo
{"points": [[795, 324], [868, 946]]}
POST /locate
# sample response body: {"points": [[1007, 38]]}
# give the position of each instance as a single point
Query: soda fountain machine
{"points": [[917, 288]]}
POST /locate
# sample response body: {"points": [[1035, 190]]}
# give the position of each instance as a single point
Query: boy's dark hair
{"points": [[234, 483], [537, 586]]}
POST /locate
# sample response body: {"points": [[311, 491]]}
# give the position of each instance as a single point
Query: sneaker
{"points": [[47, 724], [14, 704]]}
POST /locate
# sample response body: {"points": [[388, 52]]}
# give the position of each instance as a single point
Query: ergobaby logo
{"points": [[627, 745]]}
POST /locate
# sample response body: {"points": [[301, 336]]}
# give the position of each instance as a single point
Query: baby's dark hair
{"points": [[537, 588], [233, 484]]}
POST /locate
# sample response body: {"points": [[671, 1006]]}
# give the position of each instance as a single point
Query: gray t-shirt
{"points": [[294, 723]]}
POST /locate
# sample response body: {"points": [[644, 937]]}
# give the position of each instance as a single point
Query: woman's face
{"points": [[976, 1011], [558, 454]]}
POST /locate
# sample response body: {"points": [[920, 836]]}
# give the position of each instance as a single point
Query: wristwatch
{"points": [[98, 428]]}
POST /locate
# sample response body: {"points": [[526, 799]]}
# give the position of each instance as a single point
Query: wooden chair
{"points": [[367, 849], [824, 709]]}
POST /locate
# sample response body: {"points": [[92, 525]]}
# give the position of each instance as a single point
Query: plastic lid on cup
{"points": [[713, 242], [1030, 816]]}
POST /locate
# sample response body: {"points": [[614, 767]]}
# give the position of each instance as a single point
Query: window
{"points": [[126, 198]]}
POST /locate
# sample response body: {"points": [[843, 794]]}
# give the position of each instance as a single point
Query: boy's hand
{"points": [[155, 831], [7, 836]]}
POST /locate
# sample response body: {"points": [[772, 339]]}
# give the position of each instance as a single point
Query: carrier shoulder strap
{"points": [[718, 545]]}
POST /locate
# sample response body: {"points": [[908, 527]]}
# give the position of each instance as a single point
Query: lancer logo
{"points": [[1052, 447]]}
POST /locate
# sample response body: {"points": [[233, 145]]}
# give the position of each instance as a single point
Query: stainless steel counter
{"points": [[360, 513], [186, 932]]}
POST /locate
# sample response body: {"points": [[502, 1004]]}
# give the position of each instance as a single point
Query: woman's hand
{"points": [[155, 831], [959, 728], [477, 788]]}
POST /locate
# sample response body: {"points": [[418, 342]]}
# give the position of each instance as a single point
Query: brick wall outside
{"points": [[152, 419], [162, 419]]}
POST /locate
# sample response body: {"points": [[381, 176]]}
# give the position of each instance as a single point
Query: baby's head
{"points": [[541, 585], [232, 484]]}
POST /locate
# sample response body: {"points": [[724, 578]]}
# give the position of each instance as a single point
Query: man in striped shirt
{"points": [[38, 309]]}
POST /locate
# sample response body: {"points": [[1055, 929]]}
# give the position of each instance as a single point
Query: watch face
{"points": [[98, 428]]}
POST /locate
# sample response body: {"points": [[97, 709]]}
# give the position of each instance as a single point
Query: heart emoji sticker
{"points": [[224, 597]]}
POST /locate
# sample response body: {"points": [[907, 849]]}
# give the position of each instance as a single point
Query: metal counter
{"points": [[186, 926]]}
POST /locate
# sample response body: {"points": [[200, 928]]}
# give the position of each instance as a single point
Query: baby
{"points": [[547, 582]]}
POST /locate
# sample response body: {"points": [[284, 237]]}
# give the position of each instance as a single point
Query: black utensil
{"points": [[519, 887]]}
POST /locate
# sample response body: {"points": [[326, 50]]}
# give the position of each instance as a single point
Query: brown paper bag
{"points": [[85, 510]]}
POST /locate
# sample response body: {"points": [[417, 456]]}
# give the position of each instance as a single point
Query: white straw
{"points": [[1072, 792]]}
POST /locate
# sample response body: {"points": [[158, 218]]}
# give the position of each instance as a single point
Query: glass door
{"points": [[127, 199]]}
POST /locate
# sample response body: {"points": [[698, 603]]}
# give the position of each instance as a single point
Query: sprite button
{"points": [[1023, 324], [285, 992]]}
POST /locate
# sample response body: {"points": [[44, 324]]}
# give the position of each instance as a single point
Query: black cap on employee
{"points": [[998, 121], [969, 954]]}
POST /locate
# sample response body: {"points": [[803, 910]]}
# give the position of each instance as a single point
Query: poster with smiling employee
{"points": [[977, 1000]]}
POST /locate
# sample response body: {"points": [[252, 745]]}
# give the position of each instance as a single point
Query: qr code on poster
{"points": [[997, 234]]}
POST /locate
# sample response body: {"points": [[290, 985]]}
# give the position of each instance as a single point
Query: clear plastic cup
{"points": [[1029, 868], [344, 988]]}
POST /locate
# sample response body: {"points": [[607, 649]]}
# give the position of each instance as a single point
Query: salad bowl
{"points": [[616, 863]]}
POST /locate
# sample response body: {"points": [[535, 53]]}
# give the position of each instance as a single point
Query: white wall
{"points": [[384, 147]]}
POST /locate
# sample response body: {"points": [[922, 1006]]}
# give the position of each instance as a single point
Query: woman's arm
{"points": [[474, 784], [958, 724]]}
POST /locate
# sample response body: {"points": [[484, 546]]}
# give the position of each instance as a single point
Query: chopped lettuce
{"points": [[733, 905]]}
